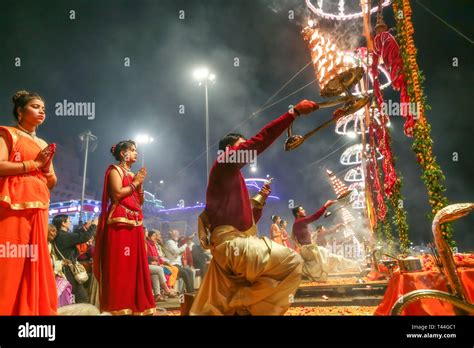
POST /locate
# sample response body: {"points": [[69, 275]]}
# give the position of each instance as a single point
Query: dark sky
{"points": [[82, 60]]}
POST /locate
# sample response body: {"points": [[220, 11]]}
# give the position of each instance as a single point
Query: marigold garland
{"points": [[432, 175]]}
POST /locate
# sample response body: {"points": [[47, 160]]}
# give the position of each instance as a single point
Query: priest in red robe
{"points": [[247, 275], [318, 261]]}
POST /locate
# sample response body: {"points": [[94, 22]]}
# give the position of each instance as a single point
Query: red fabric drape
{"points": [[403, 283]]}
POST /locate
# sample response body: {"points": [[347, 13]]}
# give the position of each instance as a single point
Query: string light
{"points": [[353, 154], [355, 122], [354, 175], [341, 8]]}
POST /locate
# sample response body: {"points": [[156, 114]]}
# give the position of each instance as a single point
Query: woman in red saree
{"points": [[120, 258], [284, 234], [27, 284]]}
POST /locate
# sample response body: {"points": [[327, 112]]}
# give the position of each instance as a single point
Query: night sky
{"points": [[82, 60]]}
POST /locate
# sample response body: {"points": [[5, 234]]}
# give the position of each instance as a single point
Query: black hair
{"points": [[275, 218], [282, 222], [151, 233], [295, 210], [121, 146], [21, 98], [319, 227], [229, 139], [58, 220]]}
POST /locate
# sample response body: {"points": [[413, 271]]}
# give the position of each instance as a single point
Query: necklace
{"points": [[31, 134], [128, 170]]}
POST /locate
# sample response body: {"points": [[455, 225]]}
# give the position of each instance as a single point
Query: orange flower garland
{"points": [[422, 146]]}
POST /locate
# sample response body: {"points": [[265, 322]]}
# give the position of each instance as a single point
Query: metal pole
{"points": [[207, 131], [87, 135]]}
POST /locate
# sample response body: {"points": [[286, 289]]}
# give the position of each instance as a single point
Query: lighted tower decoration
{"points": [[340, 189], [380, 63]]}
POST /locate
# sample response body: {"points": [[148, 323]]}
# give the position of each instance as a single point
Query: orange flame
{"points": [[328, 61]]}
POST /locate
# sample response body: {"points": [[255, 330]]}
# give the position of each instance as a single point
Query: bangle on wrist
{"points": [[30, 166]]}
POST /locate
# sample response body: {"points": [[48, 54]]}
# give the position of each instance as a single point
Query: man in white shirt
{"points": [[174, 253]]}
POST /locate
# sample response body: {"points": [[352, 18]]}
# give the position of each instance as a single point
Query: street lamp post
{"points": [[86, 138], [204, 77], [207, 129]]}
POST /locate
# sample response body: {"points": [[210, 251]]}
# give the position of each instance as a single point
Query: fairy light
{"points": [[354, 175], [357, 186], [360, 56], [341, 15], [353, 154], [341, 7], [355, 122]]}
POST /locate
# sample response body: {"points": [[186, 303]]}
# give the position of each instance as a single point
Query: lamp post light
{"points": [[204, 76], [143, 139]]}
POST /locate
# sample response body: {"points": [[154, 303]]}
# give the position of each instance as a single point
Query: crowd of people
{"points": [[169, 262], [121, 267]]}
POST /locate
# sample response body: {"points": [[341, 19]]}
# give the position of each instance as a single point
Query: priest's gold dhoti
{"points": [[319, 262], [247, 275]]}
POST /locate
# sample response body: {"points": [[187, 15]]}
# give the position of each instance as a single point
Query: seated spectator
{"points": [[174, 254], [86, 253], [187, 257], [201, 258], [63, 286], [157, 271], [66, 243], [173, 276]]}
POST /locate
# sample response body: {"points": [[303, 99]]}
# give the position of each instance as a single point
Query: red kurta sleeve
{"points": [[314, 217], [227, 198], [267, 135]]}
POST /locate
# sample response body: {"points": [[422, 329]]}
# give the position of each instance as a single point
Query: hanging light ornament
{"points": [[359, 186], [354, 175], [355, 123], [323, 8], [377, 72], [353, 155]]}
